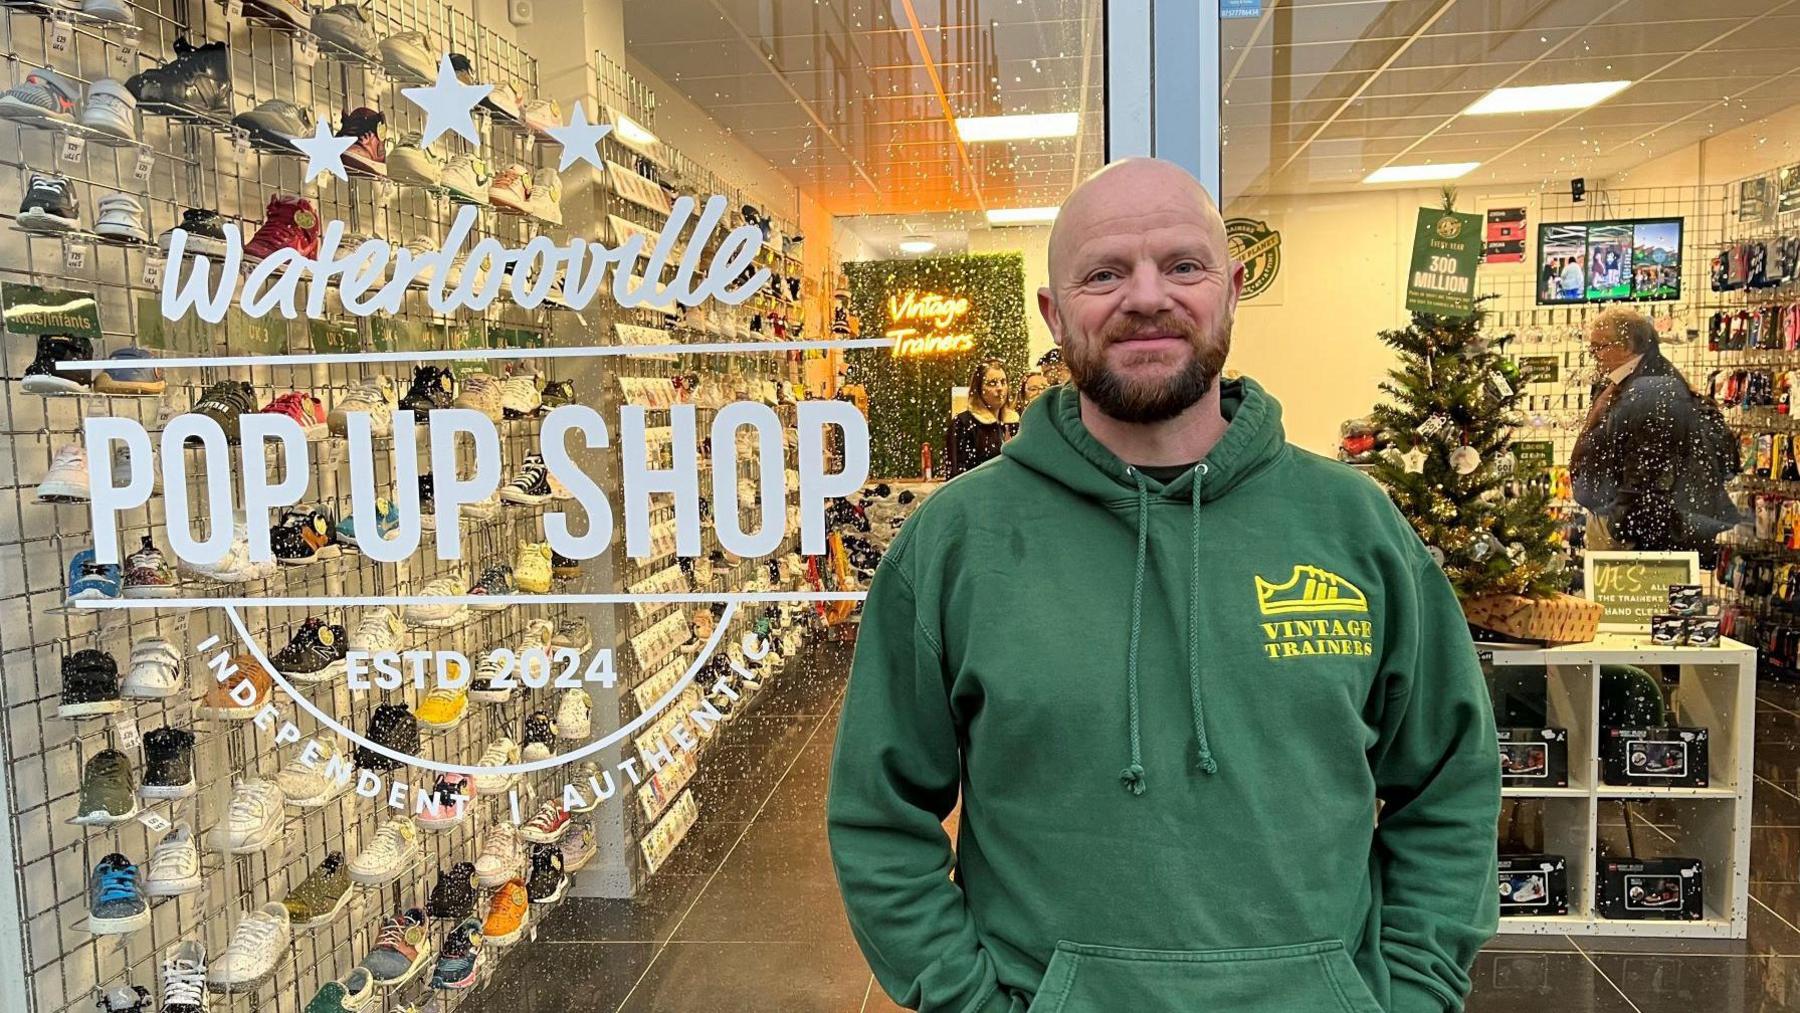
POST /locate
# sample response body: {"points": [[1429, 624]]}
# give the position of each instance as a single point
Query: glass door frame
{"points": [[1162, 83]]}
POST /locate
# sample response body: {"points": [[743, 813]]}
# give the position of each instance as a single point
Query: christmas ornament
{"points": [[1483, 546], [1516, 553], [1504, 462], [1414, 460], [1465, 459], [1433, 425], [1436, 554]]}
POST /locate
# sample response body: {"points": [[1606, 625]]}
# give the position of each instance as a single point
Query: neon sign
{"points": [[925, 323]]}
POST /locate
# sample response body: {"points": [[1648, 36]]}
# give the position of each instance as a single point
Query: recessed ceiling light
{"points": [[1544, 97], [1017, 128], [917, 246], [1021, 216], [631, 131], [1419, 173]]}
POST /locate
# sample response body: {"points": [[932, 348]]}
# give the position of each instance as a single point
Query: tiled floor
{"points": [[746, 916]]}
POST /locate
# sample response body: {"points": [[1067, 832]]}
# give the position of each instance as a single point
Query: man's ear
{"points": [[1052, 316], [1237, 282]]}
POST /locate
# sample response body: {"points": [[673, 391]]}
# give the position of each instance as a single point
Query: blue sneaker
{"points": [[460, 959], [90, 580], [131, 372], [116, 902], [387, 518]]}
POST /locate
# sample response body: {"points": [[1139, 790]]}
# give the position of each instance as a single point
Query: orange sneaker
{"points": [[225, 698], [506, 913]]}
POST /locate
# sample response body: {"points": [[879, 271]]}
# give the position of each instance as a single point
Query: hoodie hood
{"points": [[1054, 442]]}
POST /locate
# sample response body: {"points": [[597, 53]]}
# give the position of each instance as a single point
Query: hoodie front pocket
{"points": [[1083, 978]]}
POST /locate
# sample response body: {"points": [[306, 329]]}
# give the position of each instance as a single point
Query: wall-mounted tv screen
{"points": [[1631, 259]]}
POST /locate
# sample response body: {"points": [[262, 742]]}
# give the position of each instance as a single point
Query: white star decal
{"points": [[580, 140], [448, 105], [324, 152]]}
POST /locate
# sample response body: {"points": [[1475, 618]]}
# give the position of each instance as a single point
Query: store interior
{"points": [[902, 161]]}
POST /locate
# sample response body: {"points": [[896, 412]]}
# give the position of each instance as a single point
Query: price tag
{"points": [[74, 255], [127, 731], [62, 35], [234, 10], [153, 271], [146, 161], [306, 50], [153, 821], [73, 146], [125, 55], [240, 141]]}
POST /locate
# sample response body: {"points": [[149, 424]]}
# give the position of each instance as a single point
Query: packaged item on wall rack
{"points": [[1662, 889], [1663, 757], [1534, 757], [1533, 885]]}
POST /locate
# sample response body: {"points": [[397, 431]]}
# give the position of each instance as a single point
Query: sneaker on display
{"points": [[125, 999], [531, 485], [44, 96], [579, 847], [305, 535], [258, 944], [519, 397], [43, 376], [196, 84], [184, 978], [531, 568], [175, 864], [467, 178], [443, 709], [502, 855], [545, 199], [418, 248], [90, 685], [245, 690], [547, 825], [482, 510], [511, 189], [495, 580], [67, 479], [49, 205], [377, 630], [453, 898], [448, 804], [508, 911], [574, 715], [546, 882], [540, 114], [107, 797], [130, 372], [116, 901], [117, 12], [155, 672], [315, 653], [252, 822], [480, 392], [348, 994], [168, 764], [224, 402], [205, 234], [368, 156], [387, 519], [346, 27], [392, 727], [427, 502], [91, 580], [502, 752], [564, 568], [289, 12], [375, 397], [290, 223], [110, 109], [433, 387], [321, 896], [409, 56], [401, 951], [459, 963], [534, 652], [486, 688], [448, 613], [121, 220], [573, 633], [307, 785], [148, 573], [557, 393], [540, 736], [395, 851], [234, 567], [274, 124], [307, 411], [503, 100], [585, 771]]}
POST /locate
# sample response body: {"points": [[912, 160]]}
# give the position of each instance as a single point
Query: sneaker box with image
{"points": [[1533, 885], [1658, 757], [1660, 889], [1534, 757]]}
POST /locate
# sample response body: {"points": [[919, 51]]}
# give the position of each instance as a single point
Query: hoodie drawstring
{"points": [[1132, 777]]}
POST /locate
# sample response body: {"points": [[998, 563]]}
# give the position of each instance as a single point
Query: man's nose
{"points": [[1147, 291]]}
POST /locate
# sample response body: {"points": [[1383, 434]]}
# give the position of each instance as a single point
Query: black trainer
{"points": [[427, 501], [168, 764], [557, 393], [562, 567], [49, 205], [224, 402], [315, 653], [546, 882], [454, 895], [538, 732], [433, 387], [42, 376], [394, 727], [90, 684], [531, 485], [205, 230], [196, 84]]}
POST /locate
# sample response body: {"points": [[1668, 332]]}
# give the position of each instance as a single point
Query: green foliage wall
{"points": [[909, 398]]}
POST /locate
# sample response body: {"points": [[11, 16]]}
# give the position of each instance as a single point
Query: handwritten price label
{"points": [[73, 147]]}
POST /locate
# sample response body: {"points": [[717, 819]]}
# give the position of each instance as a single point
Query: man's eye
{"points": [[1186, 267], [1102, 276]]}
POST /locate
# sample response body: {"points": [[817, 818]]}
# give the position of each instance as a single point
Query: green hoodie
{"points": [[1169, 712]]}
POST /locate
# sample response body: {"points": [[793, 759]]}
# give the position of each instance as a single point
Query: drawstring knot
{"points": [[1132, 777]]}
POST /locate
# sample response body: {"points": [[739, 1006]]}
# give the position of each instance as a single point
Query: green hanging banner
{"points": [[1446, 247]]}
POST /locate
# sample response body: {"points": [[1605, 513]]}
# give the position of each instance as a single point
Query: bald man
{"points": [[1169, 735]]}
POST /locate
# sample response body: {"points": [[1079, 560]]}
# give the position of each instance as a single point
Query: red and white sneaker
{"points": [[303, 408], [290, 224], [511, 189], [548, 826], [368, 156]]}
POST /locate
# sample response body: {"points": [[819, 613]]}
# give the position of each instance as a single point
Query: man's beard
{"points": [[1147, 401]]}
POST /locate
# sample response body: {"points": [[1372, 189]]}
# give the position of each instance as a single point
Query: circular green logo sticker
{"points": [[1259, 248], [1449, 227]]}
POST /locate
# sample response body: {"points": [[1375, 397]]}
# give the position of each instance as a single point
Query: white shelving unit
{"points": [[1717, 691]]}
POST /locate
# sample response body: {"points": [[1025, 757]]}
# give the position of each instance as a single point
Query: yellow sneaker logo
{"points": [[1310, 589]]}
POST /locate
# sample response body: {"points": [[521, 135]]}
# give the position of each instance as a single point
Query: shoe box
{"points": [[1533, 885], [1658, 757], [1534, 757], [1654, 889]]}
